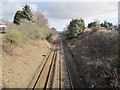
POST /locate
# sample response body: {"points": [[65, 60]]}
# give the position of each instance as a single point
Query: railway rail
{"points": [[56, 71], [44, 79]]}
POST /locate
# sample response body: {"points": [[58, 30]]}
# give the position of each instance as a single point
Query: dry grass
{"points": [[30, 30], [98, 58], [23, 47], [87, 30], [22, 34], [14, 36], [20, 67], [98, 27]]}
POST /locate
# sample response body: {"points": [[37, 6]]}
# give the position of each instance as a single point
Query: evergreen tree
{"points": [[92, 24], [102, 25], [27, 14], [76, 27], [106, 24], [24, 14], [17, 17]]}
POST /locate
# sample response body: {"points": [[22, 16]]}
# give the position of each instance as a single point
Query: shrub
{"points": [[76, 27], [40, 19], [27, 30], [92, 24], [97, 59], [106, 24], [14, 36]]}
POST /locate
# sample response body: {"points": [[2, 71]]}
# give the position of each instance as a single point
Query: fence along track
{"points": [[44, 76]]}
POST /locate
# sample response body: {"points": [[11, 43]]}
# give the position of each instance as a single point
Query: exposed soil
{"points": [[20, 66]]}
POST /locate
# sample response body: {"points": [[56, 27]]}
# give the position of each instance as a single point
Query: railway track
{"points": [[44, 79], [56, 71], [74, 79]]}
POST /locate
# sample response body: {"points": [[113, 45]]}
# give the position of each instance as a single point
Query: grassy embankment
{"points": [[23, 47]]}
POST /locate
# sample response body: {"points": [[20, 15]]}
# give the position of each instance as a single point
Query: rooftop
{"points": [[2, 22]]}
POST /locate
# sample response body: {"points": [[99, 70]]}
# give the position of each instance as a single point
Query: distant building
{"points": [[3, 25]]}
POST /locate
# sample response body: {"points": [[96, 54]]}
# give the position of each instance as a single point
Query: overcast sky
{"points": [[59, 14]]}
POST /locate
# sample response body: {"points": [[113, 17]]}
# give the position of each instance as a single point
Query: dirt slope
{"points": [[20, 66]]}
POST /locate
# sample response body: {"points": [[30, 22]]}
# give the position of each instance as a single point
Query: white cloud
{"points": [[10, 9], [59, 0], [75, 10], [59, 14], [89, 11], [58, 24], [0, 9], [34, 7]]}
